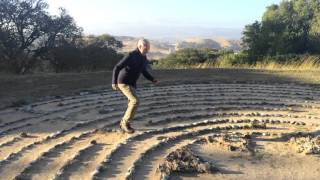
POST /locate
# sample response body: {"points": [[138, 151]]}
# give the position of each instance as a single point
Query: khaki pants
{"points": [[133, 101]]}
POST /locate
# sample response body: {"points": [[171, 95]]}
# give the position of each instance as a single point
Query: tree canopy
{"points": [[292, 27], [30, 35]]}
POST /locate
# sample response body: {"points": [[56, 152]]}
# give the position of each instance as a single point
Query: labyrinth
{"points": [[183, 131]]}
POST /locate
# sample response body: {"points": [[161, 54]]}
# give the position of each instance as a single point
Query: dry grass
{"points": [[307, 63]]}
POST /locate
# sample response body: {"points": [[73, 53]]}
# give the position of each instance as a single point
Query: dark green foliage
{"points": [[91, 53], [186, 58], [27, 31], [289, 28], [30, 38]]}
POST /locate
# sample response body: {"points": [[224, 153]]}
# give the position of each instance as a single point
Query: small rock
{"points": [[257, 133], [236, 127], [24, 134], [105, 111], [183, 160], [94, 142], [60, 104], [232, 148], [258, 125], [266, 134], [83, 93], [247, 136]]}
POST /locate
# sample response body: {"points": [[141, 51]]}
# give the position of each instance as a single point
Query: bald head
{"points": [[143, 46]]}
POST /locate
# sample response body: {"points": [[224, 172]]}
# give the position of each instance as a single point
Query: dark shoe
{"points": [[126, 127]]}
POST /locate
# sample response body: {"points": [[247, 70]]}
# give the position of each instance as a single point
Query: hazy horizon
{"points": [[164, 19], [181, 33]]}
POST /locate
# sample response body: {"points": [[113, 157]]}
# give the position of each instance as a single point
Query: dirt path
{"points": [[76, 136]]}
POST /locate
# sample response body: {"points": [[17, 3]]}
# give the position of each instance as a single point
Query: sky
{"points": [[163, 18]]}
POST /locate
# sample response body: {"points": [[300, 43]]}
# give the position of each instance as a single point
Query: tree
{"points": [[27, 32], [292, 27], [89, 53]]}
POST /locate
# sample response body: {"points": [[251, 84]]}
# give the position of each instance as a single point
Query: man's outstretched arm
{"points": [[148, 76]]}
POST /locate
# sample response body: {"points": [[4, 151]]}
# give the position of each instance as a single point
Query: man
{"points": [[125, 76]]}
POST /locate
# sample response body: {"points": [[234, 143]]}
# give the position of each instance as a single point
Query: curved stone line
{"points": [[171, 140], [147, 88], [58, 111], [56, 135], [147, 134], [236, 86], [9, 130], [153, 92], [29, 124], [26, 172], [10, 142], [64, 171]]}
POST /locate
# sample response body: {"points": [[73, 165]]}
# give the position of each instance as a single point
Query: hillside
{"points": [[161, 48], [213, 43]]}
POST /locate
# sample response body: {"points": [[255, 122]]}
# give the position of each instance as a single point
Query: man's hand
{"points": [[115, 87]]}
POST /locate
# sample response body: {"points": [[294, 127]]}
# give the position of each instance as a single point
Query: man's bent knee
{"points": [[134, 102]]}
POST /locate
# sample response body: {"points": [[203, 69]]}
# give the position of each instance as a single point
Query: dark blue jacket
{"points": [[128, 70]]}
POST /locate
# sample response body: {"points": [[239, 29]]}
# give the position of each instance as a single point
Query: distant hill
{"points": [[214, 43], [161, 48]]}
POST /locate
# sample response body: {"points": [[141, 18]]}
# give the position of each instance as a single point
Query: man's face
{"points": [[144, 48]]}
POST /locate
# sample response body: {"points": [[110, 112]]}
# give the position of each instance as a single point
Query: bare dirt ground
{"points": [[237, 123]]}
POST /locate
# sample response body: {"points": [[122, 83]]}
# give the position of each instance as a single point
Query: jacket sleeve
{"points": [[121, 64], [146, 74]]}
